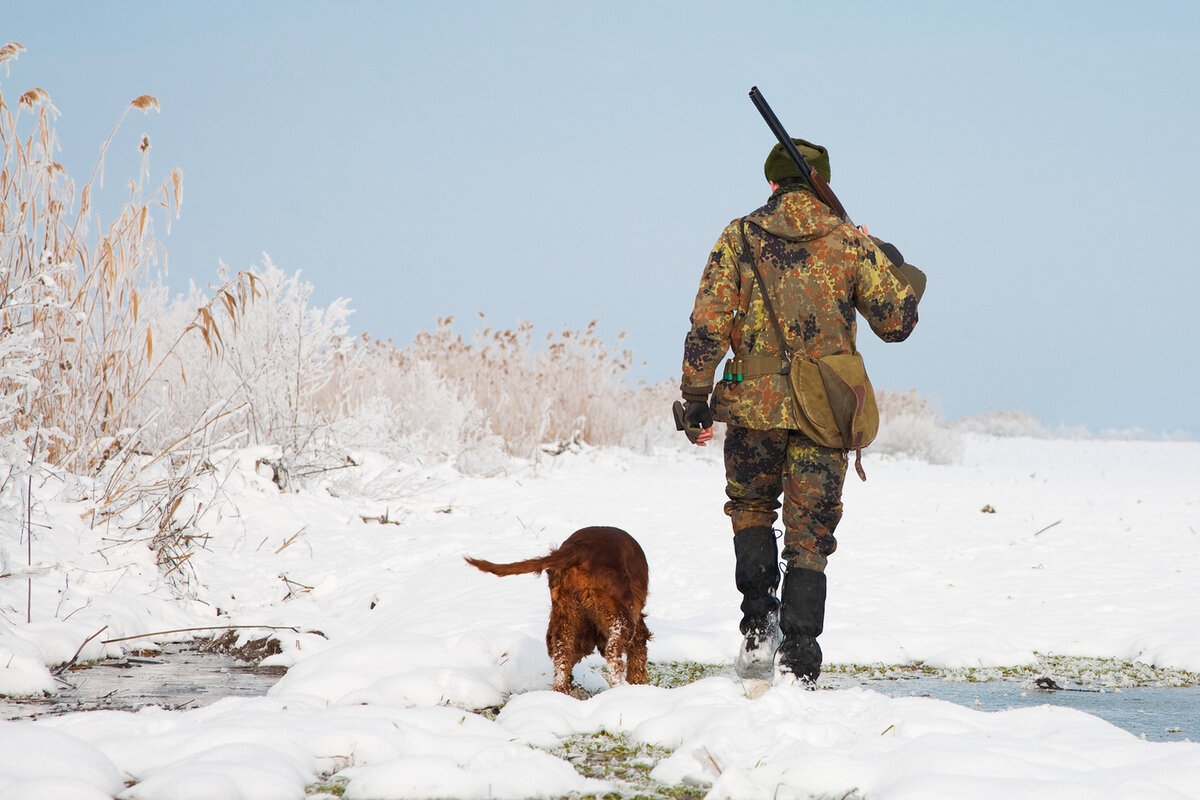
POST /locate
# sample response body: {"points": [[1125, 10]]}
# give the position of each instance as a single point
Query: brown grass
{"points": [[77, 292], [568, 387]]}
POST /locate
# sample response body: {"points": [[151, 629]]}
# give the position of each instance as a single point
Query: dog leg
{"points": [[615, 650], [562, 673], [562, 654], [635, 668], [561, 644]]}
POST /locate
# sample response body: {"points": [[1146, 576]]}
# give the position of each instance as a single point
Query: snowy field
{"points": [[1025, 547]]}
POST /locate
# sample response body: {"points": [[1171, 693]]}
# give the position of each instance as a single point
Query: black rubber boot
{"points": [[801, 620], [757, 577]]}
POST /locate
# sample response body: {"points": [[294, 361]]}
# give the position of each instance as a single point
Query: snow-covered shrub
{"points": [[286, 374], [1003, 423], [392, 402], [647, 422], [271, 361], [534, 394], [909, 425], [283, 373]]}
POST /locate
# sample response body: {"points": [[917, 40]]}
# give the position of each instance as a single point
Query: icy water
{"points": [[181, 676], [1158, 714]]}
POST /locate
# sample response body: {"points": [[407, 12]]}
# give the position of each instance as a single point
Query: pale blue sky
{"points": [[560, 162]]}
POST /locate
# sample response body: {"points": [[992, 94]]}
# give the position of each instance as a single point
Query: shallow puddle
{"points": [[180, 676], [1158, 714]]}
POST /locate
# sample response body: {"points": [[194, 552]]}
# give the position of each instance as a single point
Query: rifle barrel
{"points": [[815, 181]]}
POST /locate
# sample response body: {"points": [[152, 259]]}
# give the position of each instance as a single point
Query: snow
{"points": [[1088, 548]]}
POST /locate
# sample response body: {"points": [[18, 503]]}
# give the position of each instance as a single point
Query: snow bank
{"points": [[1028, 546]]}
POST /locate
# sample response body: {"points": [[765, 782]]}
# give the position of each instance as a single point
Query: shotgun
{"points": [[815, 181], [818, 184]]}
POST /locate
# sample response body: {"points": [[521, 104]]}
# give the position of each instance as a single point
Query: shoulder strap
{"points": [[784, 349]]}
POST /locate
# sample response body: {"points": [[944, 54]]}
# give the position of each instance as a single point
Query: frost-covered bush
{"points": [[909, 425], [392, 402], [257, 373], [536, 392], [286, 374], [1003, 423]]}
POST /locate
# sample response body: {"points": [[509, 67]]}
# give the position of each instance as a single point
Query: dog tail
{"points": [[514, 568]]}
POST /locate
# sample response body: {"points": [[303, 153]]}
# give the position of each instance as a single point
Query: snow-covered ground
{"points": [[1086, 548]]}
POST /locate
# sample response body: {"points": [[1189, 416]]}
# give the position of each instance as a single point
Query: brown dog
{"points": [[598, 582]]}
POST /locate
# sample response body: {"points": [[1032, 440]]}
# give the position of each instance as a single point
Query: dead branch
{"points": [[290, 540], [207, 628], [1048, 527], [61, 668]]}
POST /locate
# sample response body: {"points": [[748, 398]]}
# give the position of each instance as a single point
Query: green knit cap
{"points": [[779, 165]]}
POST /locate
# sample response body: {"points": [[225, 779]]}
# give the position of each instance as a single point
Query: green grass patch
{"points": [[328, 788], [673, 674], [614, 758], [1104, 673]]}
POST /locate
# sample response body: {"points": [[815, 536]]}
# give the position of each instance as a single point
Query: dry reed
{"points": [[78, 354], [78, 299]]}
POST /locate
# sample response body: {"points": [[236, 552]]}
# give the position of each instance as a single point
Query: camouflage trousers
{"points": [[762, 465]]}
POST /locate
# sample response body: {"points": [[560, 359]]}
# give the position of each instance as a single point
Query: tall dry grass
{"points": [[80, 353], [538, 392], [318, 396]]}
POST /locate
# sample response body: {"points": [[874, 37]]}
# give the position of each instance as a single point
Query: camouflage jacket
{"points": [[819, 272]]}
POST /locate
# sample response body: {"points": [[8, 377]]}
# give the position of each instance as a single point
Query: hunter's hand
{"points": [[695, 420]]}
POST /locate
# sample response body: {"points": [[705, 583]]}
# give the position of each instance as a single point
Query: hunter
{"points": [[821, 271]]}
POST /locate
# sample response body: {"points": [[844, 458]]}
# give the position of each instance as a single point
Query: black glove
{"points": [[890, 250], [692, 419]]}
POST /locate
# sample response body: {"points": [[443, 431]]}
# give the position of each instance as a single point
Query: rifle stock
{"points": [[815, 181]]}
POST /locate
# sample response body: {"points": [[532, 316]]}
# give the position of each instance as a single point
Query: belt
{"points": [[739, 368]]}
